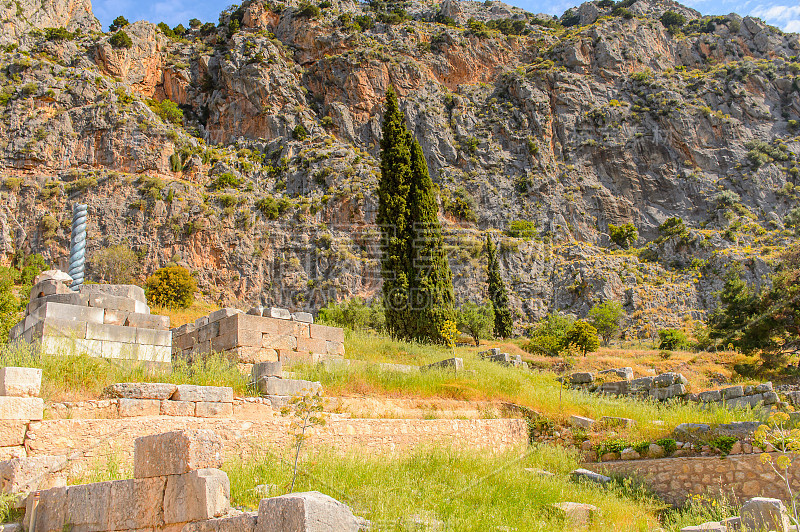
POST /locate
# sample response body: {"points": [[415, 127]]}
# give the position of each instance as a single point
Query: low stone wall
{"points": [[674, 479], [89, 440]]}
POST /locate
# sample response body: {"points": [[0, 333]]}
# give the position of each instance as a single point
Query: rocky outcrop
{"points": [[21, 16]]}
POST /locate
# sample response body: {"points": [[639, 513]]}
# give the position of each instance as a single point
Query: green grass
{"points": [[485, 380], [467, 490], [72, 376]]}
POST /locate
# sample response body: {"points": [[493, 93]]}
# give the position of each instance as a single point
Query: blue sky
{"points": [[784, 14]]}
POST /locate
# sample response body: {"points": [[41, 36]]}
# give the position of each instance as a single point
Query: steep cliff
{"points": [[544, 134]]}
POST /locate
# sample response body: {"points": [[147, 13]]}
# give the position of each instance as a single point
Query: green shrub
{"points": [[668, 444], [299, 132], [622, 12], [673, 226], [225, 180], [672, 339], [116, 264], [548, 336], [623, 235], [167, 110], [12, 183], [79, 185], [271, 208], [723, 443], [354, 314], [672, 21], [582, 336], [175, 162], [524, 229], [308, 11], [58, 34], [172, 287], [120, 40], [118, 23], [460, 204]]}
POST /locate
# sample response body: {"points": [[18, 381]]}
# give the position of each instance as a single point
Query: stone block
{"points": [[616, 388], [107, 301], [629, 453], [711, 396], [204, 409], [279, 341], [770, 398], [13, 451], [747, 401], [581, 422], [332, 334], [111, 333], [27, 474], [179, 408], [121, 290], [303, 317], [244, 522], [334, 348], [69, 312], [655, 451], [51, 510], [162, 353], [12, 432], [662, 394], [732, 392], [186, 328], [763, 387], [290, 358], [762, 513], [452, 364], [176, 453], [213, 394], [312, 345], [152, 336], [252, 355], [738, 429], [139, 407], [196, 495], [305, 512], [591, 476], [141, 308], [256, 311], [266, 369], [610, 421], [625, 373], [115, 317], [691, 431], [147, 321], [59, 327], [581, 378], [135, 503], [276, 386], [201, 322], [87, 506], [222, 313], [48, 287], [277, 313], [577, 515], [23, 408], [140, 390], [20, 382], [732, 523], [54, 274], [668, 379], [642, 385]]}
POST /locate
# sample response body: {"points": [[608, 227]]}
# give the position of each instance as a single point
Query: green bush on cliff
{"points": [[172, 287], [120, 40]]}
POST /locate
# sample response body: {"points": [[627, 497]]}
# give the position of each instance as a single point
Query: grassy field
{"points": [[468, 491], [485, 380], [72, 377]]}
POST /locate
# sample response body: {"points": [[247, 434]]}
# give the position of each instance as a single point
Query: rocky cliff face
{"points": [[545, 138]]}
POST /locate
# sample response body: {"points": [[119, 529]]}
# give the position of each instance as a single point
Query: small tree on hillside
{"points": [[476, 320], [118, 23], [607, 318], [498, 295], [116, 264], [306, 411], [172, 287], [120, 40], [583, 337], [623, 235]]}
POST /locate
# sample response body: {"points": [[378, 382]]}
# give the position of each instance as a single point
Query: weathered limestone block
{"points": [[616, 388], [732, 392], [761, 513], [140, 390], [276, 386], [591, 476], [739, 429], [625, 373], [747, 401], [135, 503], [279, 341], [640, 385], [179, 408], [334, 348], [582, 422], [277, 313], [610, 421], [244, 522], [48, 287], [629, 454], [110, 333], [120, 290], [176, 452], [668, 379], [24, 475], [332, 334], [139, 407], [655, 451], [578, 515], [222, 313], [12, 432], [20, 382], [712, 526], [312, 345], [711, 396], [25, 408], [12, 452], [87, 506], [51, 510], [69, 312], [691, 431], [455, 364], [303, 317], [146, 321], [196, 495], [107, 301], [763, 387], [190, 392], [305, 512], [581, 378], [266, 369], [770, 398], [152, 336], [206, 409]]}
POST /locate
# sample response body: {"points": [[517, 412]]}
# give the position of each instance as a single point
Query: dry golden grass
{"points": [[180, 316]]}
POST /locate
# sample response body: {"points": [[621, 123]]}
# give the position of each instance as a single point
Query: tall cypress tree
{"points": [[417, 281], [498, 295], [431, 280], [393, 216]]}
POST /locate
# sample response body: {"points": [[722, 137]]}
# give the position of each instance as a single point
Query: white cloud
{"points": [[785, 17]]}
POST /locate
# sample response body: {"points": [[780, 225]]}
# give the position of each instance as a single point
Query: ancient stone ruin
{"points": [[494, 355], [100, 320], [260, 335]]}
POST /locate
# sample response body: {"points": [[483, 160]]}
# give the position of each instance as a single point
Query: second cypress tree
{"points": [[498, 295]]}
